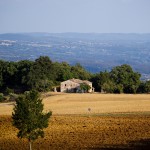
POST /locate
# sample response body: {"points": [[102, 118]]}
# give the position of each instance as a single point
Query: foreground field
{"points": [[115, 122], [87, 133], [62, 104]]}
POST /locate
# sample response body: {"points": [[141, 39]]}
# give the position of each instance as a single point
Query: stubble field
{"points": [[114, 122]]}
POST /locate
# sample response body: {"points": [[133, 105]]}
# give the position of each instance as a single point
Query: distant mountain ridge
{"points": [[74, 35], [95, 51]]}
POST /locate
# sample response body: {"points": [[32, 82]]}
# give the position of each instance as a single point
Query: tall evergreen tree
{"points": [[28, 117]]}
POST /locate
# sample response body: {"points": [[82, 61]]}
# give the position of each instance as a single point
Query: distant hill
{"points": [[96, 52]]}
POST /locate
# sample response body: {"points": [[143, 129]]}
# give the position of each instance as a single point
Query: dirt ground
{"points": [[83, 132], [115, 121]]}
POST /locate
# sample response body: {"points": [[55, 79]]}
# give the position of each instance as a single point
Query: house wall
{"points": [[69, 86], [90, 90], [73, 87]]}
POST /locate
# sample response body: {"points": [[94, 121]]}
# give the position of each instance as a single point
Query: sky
{"points": [[85, 16]]}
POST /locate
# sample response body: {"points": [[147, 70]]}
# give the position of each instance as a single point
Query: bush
{"points": [[2, 97], [8, 90], [13, 97], [85, 87]]}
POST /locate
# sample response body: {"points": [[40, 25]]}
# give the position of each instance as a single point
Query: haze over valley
{"points": [[96, 52]]}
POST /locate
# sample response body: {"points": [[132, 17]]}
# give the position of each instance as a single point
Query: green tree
{"points": [[100, 79], [108, 87], [79, 72], [9, 70], [13, 74], [1, 73], [2, 97], [147, 86], [23, 69], [84, 87], [62, 71], [118, 88], [144, 87], [40, 72], [28, 116], [125, 76]]}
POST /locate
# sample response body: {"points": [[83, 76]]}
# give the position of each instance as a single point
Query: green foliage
{"points": [[13, 97], [121, 79], [62, 71], [144, 87], [100, 79], [42, 74], [38, 77], [23, 69], [147, 87], [79, 72], [28, 116], [2, 97], [84, 87], [9, 91], [44, 85], [118, 88], [108, 87], [1, 73], [9, 70], [125, 76]]}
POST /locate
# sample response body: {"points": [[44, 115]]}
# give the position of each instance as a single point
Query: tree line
{"points": [[43, 74]]}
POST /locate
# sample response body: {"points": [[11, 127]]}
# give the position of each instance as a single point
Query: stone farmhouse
{"points": [[73, 86]]}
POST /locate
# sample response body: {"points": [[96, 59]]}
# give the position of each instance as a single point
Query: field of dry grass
{"points": [[115, 122], [99, 103]]}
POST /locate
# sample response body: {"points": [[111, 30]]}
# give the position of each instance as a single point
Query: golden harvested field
{"points": [[114, 122], [99, 103]]}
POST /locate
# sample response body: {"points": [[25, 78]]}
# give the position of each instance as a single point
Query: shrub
{"points": [[85, 87], [2, 97], [13, 97], [9, 90]]}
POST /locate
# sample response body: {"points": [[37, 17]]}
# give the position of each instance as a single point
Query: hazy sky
{"points": [[99, 16]]}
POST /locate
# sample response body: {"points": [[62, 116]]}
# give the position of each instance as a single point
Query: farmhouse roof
{"points": [[80, 81], [76, 80]]}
